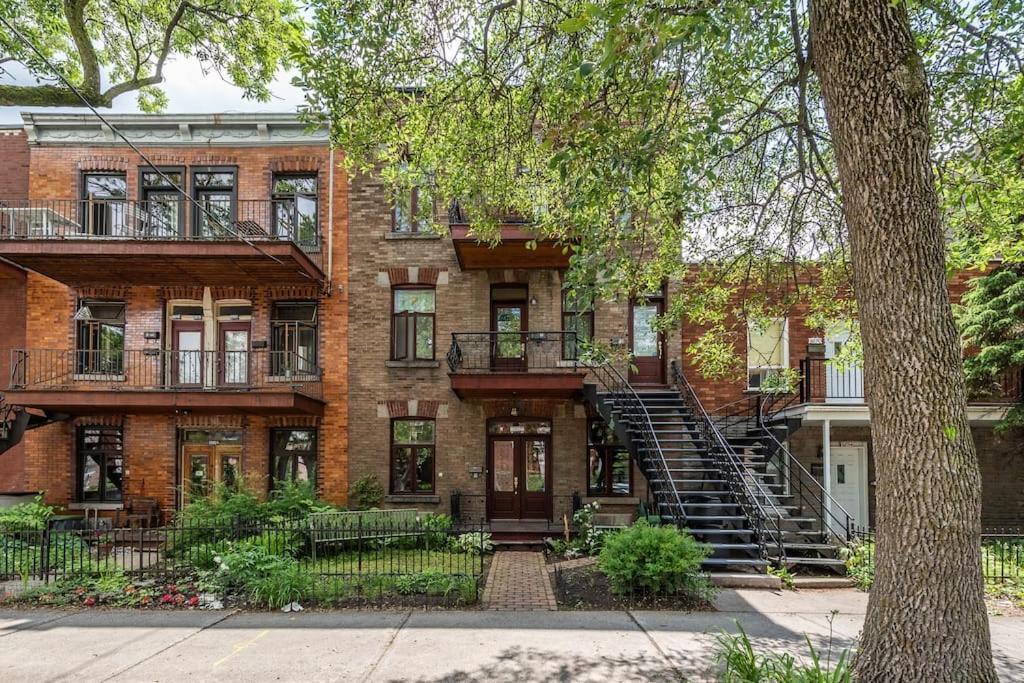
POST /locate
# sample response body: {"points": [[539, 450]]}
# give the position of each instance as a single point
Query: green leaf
{"points": [[573, 25]]}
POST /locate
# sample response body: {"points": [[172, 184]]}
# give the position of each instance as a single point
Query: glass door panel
{"points": [[188, 364], [235, 355]]}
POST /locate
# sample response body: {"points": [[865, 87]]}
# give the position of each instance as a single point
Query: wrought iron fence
{"points": [[352, 549], [1002, 552], [480, 352], [157, 369], [169, 218]]}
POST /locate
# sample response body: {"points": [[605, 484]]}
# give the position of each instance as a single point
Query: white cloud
{"points": [[188, 89]]}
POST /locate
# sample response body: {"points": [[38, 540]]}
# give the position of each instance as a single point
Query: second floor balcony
{"points": [[87, 382], [515, 365], [167, 241]]}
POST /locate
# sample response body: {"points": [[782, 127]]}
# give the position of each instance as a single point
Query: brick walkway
{"points": [[518, 581]]}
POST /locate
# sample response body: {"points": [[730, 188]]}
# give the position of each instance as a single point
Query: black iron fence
{"points": [[157, 369], [1002, 552], [167, 218], [346, 547], [501, 352]]}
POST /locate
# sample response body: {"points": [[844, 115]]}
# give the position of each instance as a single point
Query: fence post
{"points": [[44, 556], [359, 545]]}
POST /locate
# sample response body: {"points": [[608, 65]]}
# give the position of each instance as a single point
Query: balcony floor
{"points": [[144, 262], [518, 385], [92, 402]]}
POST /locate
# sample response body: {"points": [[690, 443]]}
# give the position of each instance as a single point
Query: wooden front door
{"points": [[518, 474], [204, 465], [186, 361], [646, 344]]}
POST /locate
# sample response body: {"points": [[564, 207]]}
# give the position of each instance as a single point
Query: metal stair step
{"points": [[734, 562]]}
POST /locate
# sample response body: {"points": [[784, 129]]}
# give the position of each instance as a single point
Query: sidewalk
{"points": [[429, 646]]}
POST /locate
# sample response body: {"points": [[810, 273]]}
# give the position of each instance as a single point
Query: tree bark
{"points": [[926, 617], [48, 96]]}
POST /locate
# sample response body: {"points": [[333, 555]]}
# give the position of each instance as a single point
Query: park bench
{"points": [[341, 527]]}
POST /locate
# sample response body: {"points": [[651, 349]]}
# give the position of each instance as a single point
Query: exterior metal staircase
{"points": [[681, 456], [16, 420]]}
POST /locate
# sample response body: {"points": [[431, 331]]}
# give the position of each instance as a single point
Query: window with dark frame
{"points": [[293, 456], [609, 467], [578, 318], [214, 191], [99, 330], [99, 455], [296, 201], [412, 456], [293, 338], [162, 213], [413, 211], [412, 324], [106, 209]]}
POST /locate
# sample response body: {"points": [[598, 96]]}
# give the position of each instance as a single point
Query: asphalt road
{"points": [[42, 645]]}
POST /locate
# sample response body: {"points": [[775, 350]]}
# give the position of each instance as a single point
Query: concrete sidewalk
{"points": [[38, 645]]}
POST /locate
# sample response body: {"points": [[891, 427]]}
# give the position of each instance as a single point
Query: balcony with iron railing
{"points": [[518, 247], [156, 380], [530, 364], [162, 242], [823, 380]]}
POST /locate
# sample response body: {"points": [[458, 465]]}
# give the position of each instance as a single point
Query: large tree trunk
{"points": [[926, 616]]}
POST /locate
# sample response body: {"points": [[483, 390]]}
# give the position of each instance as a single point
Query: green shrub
{"points": [[860, 563], [655, 559], [473, 543], [284, 584], [588, 540], [278, 542], [295, 500], [437, 528], [26, 516], [224, 506], [741, 663], [365, 493]]}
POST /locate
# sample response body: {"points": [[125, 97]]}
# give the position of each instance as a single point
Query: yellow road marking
{"points": [[240, 647]]}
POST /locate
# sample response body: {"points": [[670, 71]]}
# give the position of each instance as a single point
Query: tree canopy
{"points": [[110, 48]]}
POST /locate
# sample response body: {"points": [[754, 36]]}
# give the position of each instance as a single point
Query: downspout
{"points": [[330, 218]]}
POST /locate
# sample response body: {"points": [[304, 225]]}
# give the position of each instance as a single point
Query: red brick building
{"points": [[169, 342]]}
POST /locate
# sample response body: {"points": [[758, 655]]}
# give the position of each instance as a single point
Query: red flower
{"points": [[89, 602], [193, 601], [172, 588], [166, 599]]}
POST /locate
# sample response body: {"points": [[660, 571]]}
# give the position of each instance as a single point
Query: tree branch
{"points": [[74, 12]]}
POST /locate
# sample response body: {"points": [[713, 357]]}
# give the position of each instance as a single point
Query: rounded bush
{"points": [[653, 559]]}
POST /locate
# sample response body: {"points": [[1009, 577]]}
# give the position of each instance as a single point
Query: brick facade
{"points": [[152, 442]]}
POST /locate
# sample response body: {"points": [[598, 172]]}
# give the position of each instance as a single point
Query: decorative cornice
{"points": [[172, 129]]}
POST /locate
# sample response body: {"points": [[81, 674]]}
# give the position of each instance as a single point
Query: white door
{"points": [[844, 383], [849, 472]]}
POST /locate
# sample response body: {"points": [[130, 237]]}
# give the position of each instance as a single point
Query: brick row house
{"points": [[157, 353], [167, 343]]}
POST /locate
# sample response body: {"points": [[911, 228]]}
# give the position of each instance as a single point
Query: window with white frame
{"points": [[767, 349]]}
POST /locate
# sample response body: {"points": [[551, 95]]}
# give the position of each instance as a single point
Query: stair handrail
{"points": [[828, 503], [616, 384], [740, 484]]}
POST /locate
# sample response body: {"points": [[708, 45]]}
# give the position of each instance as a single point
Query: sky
{"points": [[189, 91]]}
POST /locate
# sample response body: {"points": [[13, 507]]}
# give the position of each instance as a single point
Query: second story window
{"points": [[412, 324], [413, 210], [293, 338], [295, 207], [214, 191], [105, 208], [161, 213], [767, 349], [577, 323], [99, 347]]}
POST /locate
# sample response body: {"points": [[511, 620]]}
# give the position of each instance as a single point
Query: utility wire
{"points": [[128, 142]]}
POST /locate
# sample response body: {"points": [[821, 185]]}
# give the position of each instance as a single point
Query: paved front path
{"points": [[518, 580], [44, 645]]}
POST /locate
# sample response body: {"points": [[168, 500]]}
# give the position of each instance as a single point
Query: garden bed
{"points": [[586, 588]]}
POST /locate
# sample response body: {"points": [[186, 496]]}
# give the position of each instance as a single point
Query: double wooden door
{"points": [[205, 465], [519, 476]]}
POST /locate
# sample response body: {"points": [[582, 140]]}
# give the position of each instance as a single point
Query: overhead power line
{"points": [[138, 151]]}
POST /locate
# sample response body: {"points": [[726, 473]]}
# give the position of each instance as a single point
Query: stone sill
{"points": [[613, 500], [412, 236], [413, 498], [96, 506], [412, 364]]}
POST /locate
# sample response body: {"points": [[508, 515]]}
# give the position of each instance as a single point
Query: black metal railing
{"points": [[502, 352], [646, 447], [1002, 552], [171, 219], [157, 369], [346, 554], [823, 380], [750, 493]]}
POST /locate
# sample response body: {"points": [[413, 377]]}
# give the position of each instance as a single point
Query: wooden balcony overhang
{"points": [[92, 402], [113, 261], [518, 385], [511, 252]]}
